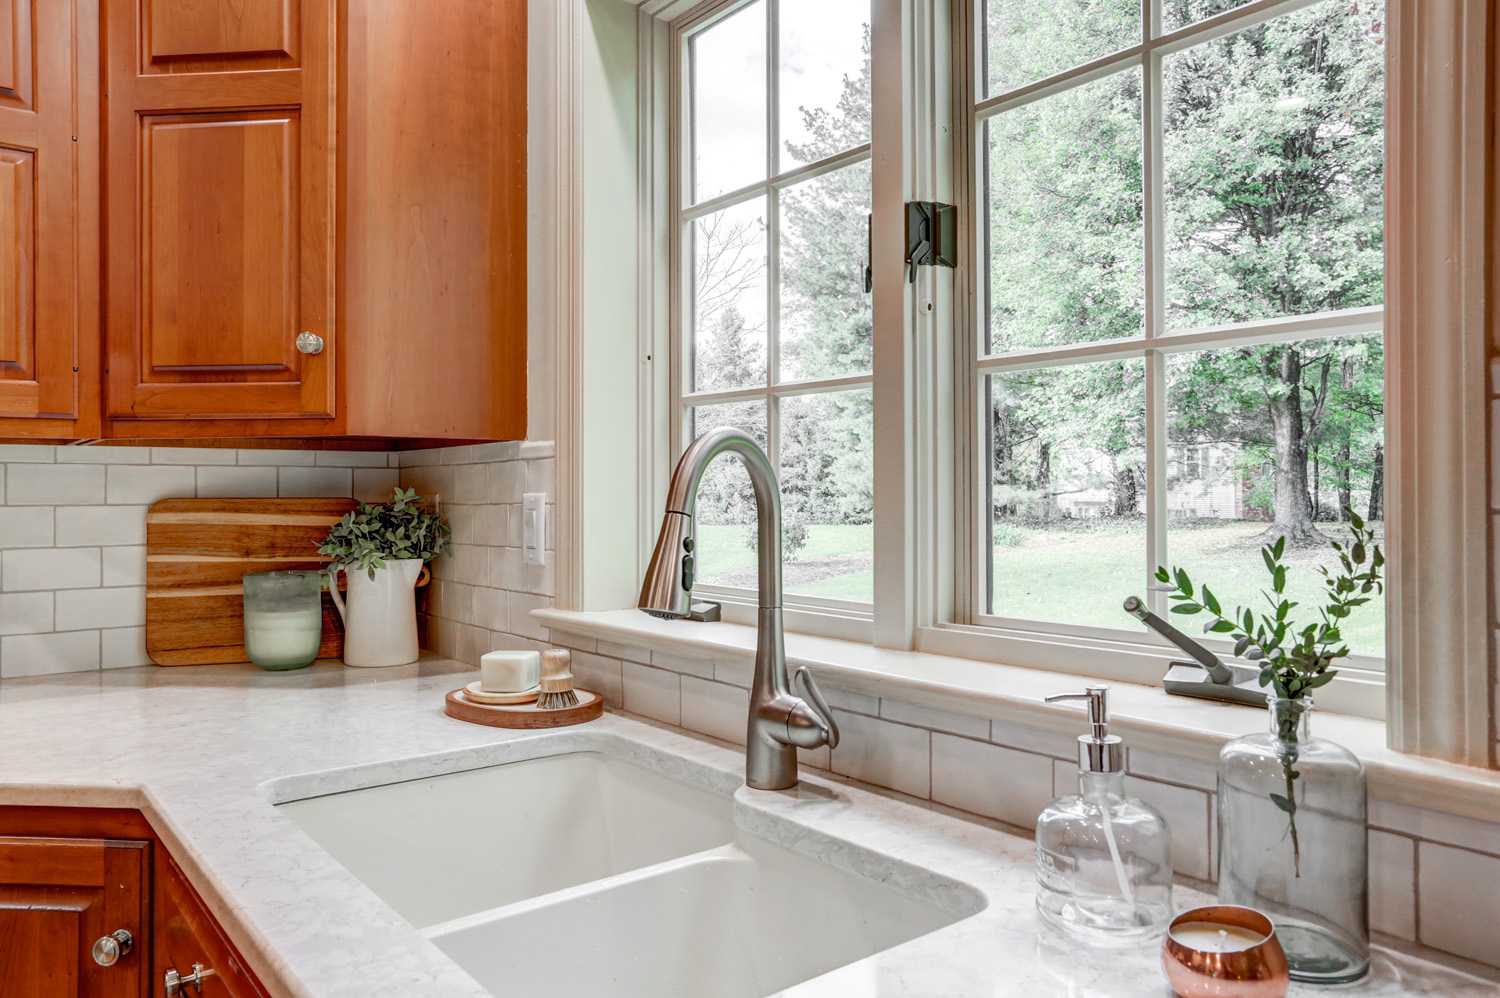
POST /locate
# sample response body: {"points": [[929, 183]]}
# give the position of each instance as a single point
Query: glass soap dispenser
{"points": [[1103, 860]]}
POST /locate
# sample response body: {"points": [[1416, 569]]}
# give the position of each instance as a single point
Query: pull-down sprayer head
{"points": [[669, 579]]}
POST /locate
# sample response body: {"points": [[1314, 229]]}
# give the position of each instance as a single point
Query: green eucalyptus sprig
{"points": [[1295, 659], [400, 529]]}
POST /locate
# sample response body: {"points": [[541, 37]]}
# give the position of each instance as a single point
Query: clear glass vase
{"points": [[1292, 843]]}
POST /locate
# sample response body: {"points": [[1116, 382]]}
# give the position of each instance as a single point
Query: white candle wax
{"points": [[1211, 937], [510, 671]]}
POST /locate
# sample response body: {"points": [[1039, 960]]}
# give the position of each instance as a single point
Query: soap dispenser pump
{"points": [[1103, 860]]}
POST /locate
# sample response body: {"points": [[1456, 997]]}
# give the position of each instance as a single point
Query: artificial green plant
{"points": [[402, 528]]}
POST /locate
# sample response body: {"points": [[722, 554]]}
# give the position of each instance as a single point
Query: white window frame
{"points": [[1156, 341], [1439, 308], [834, 617]]}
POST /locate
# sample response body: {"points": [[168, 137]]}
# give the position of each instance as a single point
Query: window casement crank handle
{"points": [[1218, 672]]}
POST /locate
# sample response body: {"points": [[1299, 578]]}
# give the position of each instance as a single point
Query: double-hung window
{"points": [[1179, 225], [1168, 340], [772, 182]]}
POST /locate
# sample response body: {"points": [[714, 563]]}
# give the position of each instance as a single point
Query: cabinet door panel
{"points": [[17, 258], [215, 28], [48, 222], [59, 895], [17, 52], [221, 261], [221, 223]]}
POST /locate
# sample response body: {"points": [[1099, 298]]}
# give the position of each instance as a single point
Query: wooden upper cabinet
{"points": [[57, 896], [49, 204], [220, 207]]}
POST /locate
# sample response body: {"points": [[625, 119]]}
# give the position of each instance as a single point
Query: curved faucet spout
{"points": [[779, 721]]}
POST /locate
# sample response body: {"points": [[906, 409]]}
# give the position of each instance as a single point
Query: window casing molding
{"points": [[1439, 687]]}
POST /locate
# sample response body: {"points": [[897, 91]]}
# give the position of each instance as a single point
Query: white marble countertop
{"points": [[204, 750]]}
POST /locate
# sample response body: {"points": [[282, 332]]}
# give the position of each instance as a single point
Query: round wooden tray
{"points": [[523, 715]]}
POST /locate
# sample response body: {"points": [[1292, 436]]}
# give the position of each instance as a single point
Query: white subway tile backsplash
{"points": [[540, 475], [1034, 740], [298, 482], [1188, 815], [1451, 829], [49, 568], [506, 569], [633, 654], [715, 709], [600, 674], [275, 457], [26, 527], [1457, 904], [123, 566], [1393, 875], [123, 647], [700, 667], [653, 693], [521, 622], [375, 484], [47, 654], [491, 608], [861, 703], [490, 525], [937, 720], [96, 526], [145, 484], [190, 455], [82, 609], [876, 751], [54, 484], [34, 453], [102, 454], [1169, 769], [990, 780], [351, 458], [236, 482], [26, 613], [507, 481]]}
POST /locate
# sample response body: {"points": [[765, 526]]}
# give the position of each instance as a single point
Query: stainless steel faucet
{"points": [[779, 723]]}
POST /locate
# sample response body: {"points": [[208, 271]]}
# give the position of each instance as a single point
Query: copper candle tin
{"points": [[1257, 972]]}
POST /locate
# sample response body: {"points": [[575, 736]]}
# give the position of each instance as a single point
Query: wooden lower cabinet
{"points": [[59, 895], [72, 876]]}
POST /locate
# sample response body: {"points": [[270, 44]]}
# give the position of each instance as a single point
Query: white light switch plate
{"points": [[534, 528]]}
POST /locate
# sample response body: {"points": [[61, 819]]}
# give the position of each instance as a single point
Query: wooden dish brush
{"points": [[557, 680]]}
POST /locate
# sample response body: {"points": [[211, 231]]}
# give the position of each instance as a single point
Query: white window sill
{"points": [[1147, 717]]}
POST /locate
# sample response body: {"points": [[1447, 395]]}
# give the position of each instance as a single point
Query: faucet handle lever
{"points": [[803, 678]]}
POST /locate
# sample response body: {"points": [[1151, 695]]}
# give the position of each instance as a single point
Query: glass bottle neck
{"points": [[1093, 786], [1289, 719]]}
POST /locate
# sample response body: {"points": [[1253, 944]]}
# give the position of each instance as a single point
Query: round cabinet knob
{"points": [[108, 949], [309, 343]]}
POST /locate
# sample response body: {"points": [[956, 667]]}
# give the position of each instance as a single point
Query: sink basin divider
{"points": [[520, 909]]}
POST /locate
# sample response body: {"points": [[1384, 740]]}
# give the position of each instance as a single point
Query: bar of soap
{"points": [[510, 671]]}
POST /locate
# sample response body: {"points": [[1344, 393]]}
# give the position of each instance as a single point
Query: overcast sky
{"points": [[820, 42]]}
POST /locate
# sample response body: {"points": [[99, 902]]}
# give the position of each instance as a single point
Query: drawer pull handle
{"points": [[109, 949], [178, 985]]}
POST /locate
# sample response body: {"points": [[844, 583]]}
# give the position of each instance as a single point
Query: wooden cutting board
{"points": [[197, 550]]}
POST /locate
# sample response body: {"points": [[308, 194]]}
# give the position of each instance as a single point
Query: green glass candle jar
{"points": [[283, 618]]}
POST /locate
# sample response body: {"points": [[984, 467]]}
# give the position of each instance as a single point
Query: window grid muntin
{"points": [[1156, 341], [685, 397]]}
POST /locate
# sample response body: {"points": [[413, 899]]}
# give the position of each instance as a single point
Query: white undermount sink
{"points": [[584, 874]]}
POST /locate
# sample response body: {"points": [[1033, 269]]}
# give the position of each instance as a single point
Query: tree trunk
{"points": [[1043, 482], [1346, 501], [1122, 489], [1377, 485], [1293, 505]]}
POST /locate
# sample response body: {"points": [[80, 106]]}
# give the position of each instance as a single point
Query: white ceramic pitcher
{"points": [[380, 622]]}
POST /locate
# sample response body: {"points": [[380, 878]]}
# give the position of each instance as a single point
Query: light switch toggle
{"points": [[534, 528]]}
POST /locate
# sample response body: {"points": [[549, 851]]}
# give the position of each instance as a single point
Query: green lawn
{"points": [[1079, 575], [1083, 576]]}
